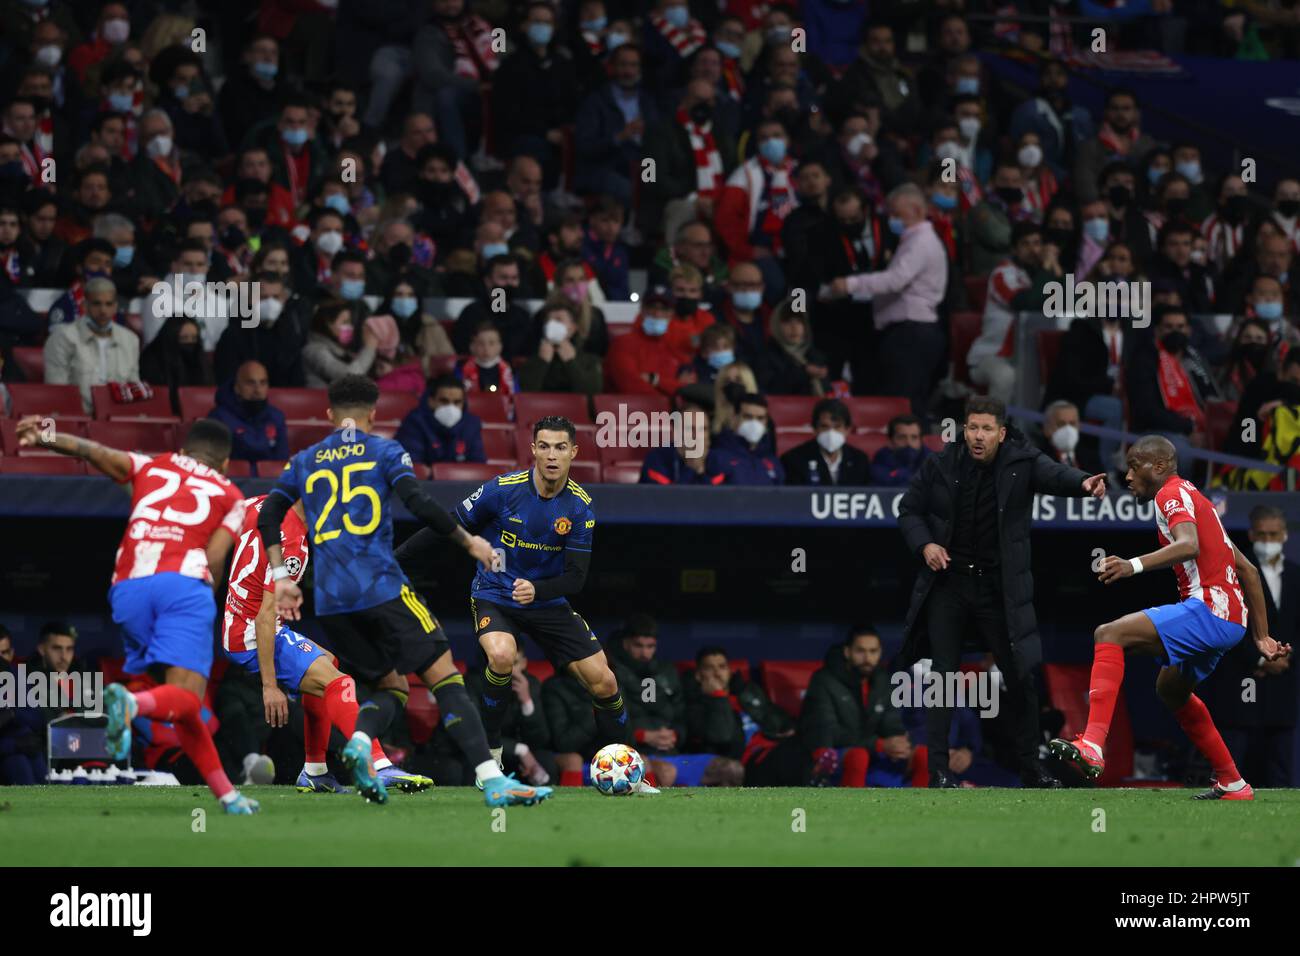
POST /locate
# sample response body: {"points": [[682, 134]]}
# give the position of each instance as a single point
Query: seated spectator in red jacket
{"points": [[826, 458], [691, 315], [717, 351], [748, 447], [486, 370], [256, 426], [639, 362], [440, 428], [895, 464]]}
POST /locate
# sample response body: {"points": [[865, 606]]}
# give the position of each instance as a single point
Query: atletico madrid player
{"points": [[185, 515], [1188, 637]]}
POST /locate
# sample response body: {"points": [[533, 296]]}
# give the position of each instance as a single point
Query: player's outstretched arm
{"points": [[1257, 612], [288, 596], [438, 521], [1185, 546], [112, 462]]}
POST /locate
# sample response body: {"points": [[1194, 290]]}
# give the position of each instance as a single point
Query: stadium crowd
{"points": [[811, 201]]}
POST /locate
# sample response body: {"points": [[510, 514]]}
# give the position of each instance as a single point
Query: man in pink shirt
{"points": [[906, 295]]}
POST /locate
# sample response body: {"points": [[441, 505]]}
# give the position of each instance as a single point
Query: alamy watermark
{"points": [[73, 690], [923, 687], [202, 299], [1116, 299], [640, 429]]}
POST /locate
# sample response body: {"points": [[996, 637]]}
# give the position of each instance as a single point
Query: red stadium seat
{"points": [[786, 682], [791, 411], [1049, 347], [1220, 417], [41, 465], [977, 291], [464, 471], [158, 407], [301, 404], [542, 669], [238, 468], [963, 330], [440, 365], [787, 438], [269, 468], [738, 666], [531, 406], [935, 443], [60, 401], [197, 401], [8, 436], [585, 472], [874, 412], [303, 434], [620, 328], [868, 442], [31, 360], [394, 406], [610, 402], [620, 474], [499, 444], [490, 406], [1068, 687], [150, 438], [421, 711]]}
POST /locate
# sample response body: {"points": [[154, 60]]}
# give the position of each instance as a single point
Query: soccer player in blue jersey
{"points": [[374, 621], [542, 524]]}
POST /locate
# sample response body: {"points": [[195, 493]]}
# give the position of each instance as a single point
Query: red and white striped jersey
{"points": [[250, 574], [177, 504], [1212, 575]]}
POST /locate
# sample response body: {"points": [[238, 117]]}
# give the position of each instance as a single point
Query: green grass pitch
{"points": [[72, 825]]}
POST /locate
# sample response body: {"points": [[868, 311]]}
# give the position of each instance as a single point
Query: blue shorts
{"points": [[293, 655], [168, 619], [1194, 639], [690, 767]]}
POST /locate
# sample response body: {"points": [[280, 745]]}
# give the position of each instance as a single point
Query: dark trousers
{"points": [[957, 602], [907, 358], [1262, 754]]}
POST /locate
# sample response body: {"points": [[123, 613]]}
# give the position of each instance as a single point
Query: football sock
{"points": [[856, 762], [573, 778], [167, 703], [461, 720], [1196, 721], [377, 755], [316, 728], [377, 714], [1107, 677], [198, 746], [315, 769], [921, 766], [340, 702], [611, 719], [495, 693]]}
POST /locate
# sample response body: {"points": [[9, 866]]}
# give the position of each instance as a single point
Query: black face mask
{"points": [[1289, 208], [399, 255], [701, 113], [41, 104], [1255, 353], [1174, 208], [232, 237], [252, 406], [255, 217], [1011, 195], [1289, 392], [1175, 342], [686, 307], [1119, 196], [1235, 209], [734, 392], [1059, 237], [852, 228]]}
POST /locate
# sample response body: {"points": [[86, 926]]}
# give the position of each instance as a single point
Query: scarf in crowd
{"points": [[33, 158], [1176, 388], [776, 201], [970, 192], [943, 228], [864, 177], [595, 45], [1224, 240], [12, 264], [686, 41], [1039, 192], [470, 372], [708, 164], [471, 39], [1116, 143], [733, 79]]}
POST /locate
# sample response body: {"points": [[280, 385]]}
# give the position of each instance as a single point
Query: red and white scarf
{"points": [[775, 186], [686, 41], [1039, 191], [1116, 143], [470, 372], [1224, 240], [1176, 388], [472, 41], [969, 188], [733, 78], [13, 265], [708, 164], [595, 45]]}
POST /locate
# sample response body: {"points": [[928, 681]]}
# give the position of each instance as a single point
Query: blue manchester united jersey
{"points": [[534, 532], [346, 487]]}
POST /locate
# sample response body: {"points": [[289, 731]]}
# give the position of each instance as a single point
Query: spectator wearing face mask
{"points": [[498, 303], [748, 446], [578, 290], [1274, 257], [604, 252], [1120, 137], [1038, 180], [755, 202], [744, 311], [641, 361], [789, 364], [717, 351], [560, 364], [421, 332], [331, 350], [1225, 227], [95, 350], [1090, 380], [896, 463], [1061, 440], [1168, 384], [990, 223], [1253, 353], [347, 281], [693, 460], [90, 259], [1272, 402], [486, 370], [313, 261], [175, 358], [1286, 208], [258, 428], [440, 428], [827, 459], [274, 337]]}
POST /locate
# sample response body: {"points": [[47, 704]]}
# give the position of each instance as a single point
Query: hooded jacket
{"points": [[429, 441], [844, 709], [261, 436], [666, 707], [743, 466]]}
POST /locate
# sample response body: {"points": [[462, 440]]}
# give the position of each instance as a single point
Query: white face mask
{"points": [[329, 242], [948, 150], [1030, 156], [189, 278], [969, 126], [752, 431], [858, 143], [1267, 550], [268, 310], [159, 146], [1065, 438], [831, 440], [555, 331], [49, 56], [447, 415]]}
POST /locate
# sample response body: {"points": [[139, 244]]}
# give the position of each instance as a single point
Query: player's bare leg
{"points": [[461, 721], [1133, 633], [179, 701], [1177, 693], [500, 649], [595, 674]]}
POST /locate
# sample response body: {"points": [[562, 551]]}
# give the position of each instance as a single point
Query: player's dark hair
{"points": [[712, 650], [835, 408], [353, 391], [208, 440], [898, 421], [50, 628], [984, 405], [555, 423], [1267, 512]]}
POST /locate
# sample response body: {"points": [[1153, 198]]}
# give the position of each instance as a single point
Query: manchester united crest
{"points": [[484, 622], [562, 525]]}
